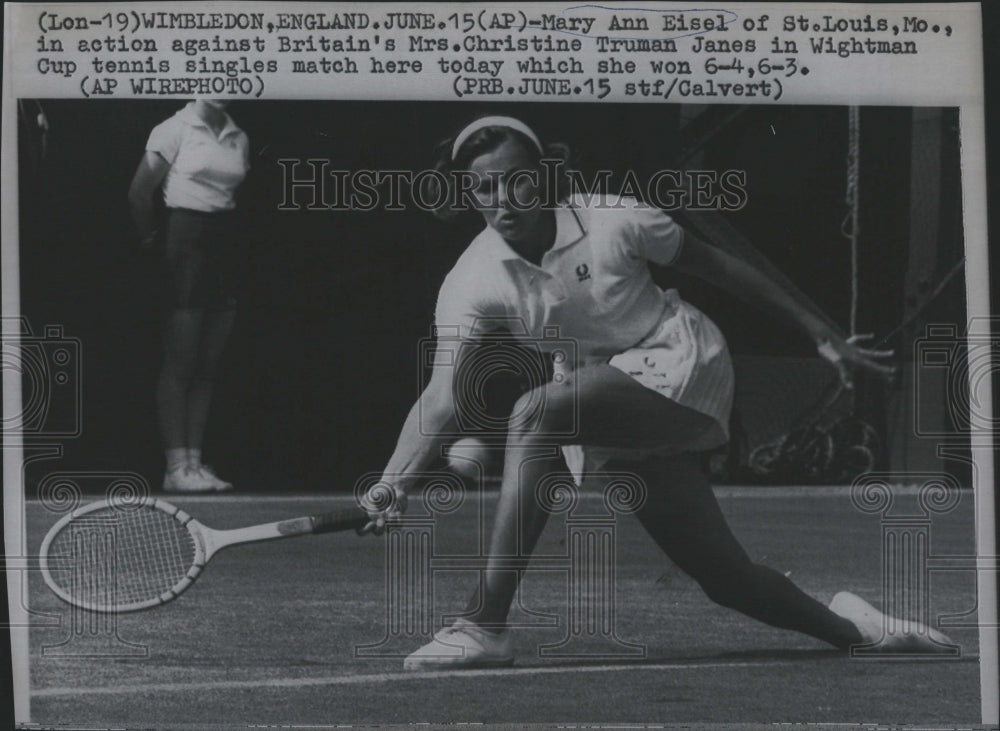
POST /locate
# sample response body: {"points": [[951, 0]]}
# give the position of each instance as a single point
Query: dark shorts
{"points": [[200, 250]]}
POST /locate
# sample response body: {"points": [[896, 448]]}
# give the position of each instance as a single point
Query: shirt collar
{"points": [[190, 116], [569, 230]]}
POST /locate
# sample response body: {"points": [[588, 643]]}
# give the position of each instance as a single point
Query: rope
{"points": [[850, 227]]}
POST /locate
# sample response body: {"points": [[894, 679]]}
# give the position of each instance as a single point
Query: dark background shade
{"points": [[323, 364]]}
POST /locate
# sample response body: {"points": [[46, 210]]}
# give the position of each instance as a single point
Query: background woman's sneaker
{"points": [[217, 483], [184, 479]]}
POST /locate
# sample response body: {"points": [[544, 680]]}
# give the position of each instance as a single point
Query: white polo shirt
{"points": [[205, 170], [594, 288], [594, 284]]}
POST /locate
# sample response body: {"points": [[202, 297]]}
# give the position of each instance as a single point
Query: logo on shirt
{"points": [[582, 272]]}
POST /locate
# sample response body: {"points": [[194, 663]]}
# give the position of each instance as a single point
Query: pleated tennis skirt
{"points": [[684, 359]]}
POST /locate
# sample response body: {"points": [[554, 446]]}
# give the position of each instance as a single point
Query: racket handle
{"points": [[339, 520]]}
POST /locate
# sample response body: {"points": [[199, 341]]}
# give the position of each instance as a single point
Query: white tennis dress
{"points": [[594, 288]]}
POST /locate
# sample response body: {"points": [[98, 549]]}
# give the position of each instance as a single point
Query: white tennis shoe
{"points": [[209, 476], [887, 634], [185, 479], [463, 645]]}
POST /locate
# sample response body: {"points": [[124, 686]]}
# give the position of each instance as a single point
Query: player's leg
{"points": [[216, 329], [182, 334], [599, 405], [181, 345], [684, 518], [681, 513], [215, 287], [518, 523]]}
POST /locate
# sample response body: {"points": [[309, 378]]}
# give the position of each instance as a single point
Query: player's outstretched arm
{"points": [[756, 288], [420, 440]]}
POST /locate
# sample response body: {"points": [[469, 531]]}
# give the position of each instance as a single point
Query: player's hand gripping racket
{"points": [[123, 555]]}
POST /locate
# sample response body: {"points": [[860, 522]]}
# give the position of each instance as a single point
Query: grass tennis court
{"points": [[267, 634]]}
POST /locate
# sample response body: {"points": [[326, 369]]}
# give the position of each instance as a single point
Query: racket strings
{"points": [[115, 558]]}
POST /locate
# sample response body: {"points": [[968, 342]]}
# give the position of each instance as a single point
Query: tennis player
{"points": [[651, 387], [199, 158]]}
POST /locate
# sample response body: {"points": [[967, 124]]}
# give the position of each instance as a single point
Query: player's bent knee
{"points": [[526, 415], [539, 411]]}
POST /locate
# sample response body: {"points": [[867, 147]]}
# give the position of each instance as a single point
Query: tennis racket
{"points": [[123, 555]]}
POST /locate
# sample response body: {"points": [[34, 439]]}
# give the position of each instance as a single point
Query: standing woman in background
{"points": [[199, 158]]}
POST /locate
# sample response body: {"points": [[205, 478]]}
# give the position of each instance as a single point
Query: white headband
{"points": [[509, 122]]}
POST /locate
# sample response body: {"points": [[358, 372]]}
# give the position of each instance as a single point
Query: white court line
{"points": [[376, 678]]}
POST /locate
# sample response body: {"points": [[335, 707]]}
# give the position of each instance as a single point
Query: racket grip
{"points": [[339, 520]]}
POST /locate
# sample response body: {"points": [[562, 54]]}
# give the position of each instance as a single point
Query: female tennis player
{"points": [[651, 385], [199, 157]]}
